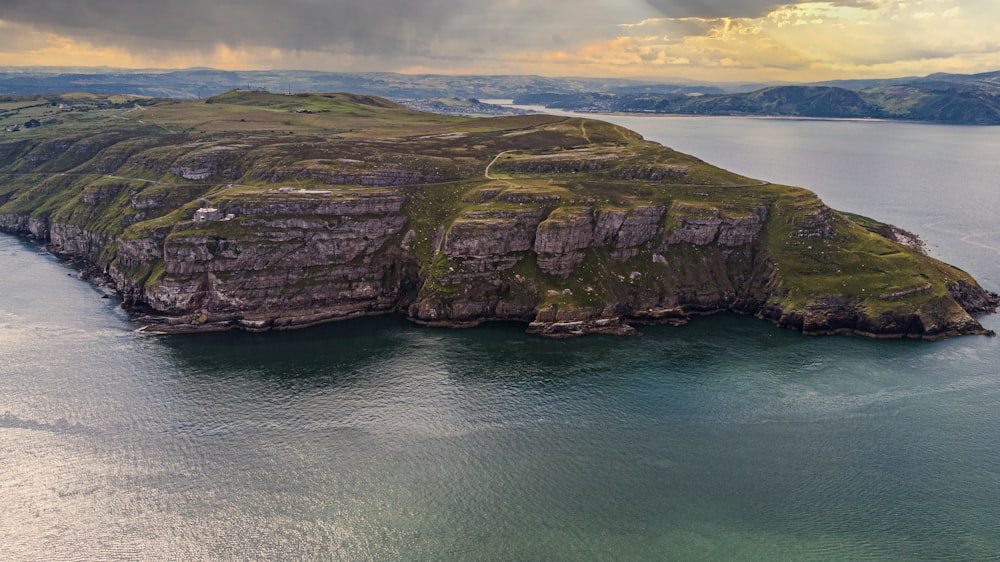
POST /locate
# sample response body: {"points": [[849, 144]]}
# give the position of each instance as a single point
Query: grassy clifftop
{"points": [[259, 211]]}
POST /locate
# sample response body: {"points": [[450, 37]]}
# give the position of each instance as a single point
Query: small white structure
{"points": [[207, 214]]}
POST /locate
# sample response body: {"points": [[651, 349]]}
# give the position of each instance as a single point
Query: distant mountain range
{"points": [[972, 99], [203, 83], [941, 98]]}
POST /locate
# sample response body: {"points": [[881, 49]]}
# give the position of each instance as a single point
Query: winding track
{"points": [[494, 161]]}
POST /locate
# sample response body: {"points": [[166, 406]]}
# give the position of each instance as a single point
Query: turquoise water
{"points": [[377, 440]]}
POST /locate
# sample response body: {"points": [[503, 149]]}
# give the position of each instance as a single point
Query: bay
{"points": [[377, 440]]}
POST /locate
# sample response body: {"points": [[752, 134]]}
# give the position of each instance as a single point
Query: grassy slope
{"points": [[857, 262]]}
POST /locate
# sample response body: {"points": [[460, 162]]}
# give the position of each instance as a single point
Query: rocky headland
{"points": [[258, 211]]}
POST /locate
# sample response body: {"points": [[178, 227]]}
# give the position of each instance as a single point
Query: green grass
{"points": [[857, 263]]}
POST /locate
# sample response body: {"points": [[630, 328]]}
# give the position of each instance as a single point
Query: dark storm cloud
{"points": [[714, 8], [367, 27], [292, 24], [734, 8]]}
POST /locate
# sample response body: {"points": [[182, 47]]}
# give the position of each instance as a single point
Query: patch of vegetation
{"points": [[856, 262]]}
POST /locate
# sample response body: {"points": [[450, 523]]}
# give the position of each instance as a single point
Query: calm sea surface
{"points": [[376, 440]]}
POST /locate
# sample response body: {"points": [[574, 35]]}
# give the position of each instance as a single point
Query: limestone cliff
{"points": [[362, 207]]}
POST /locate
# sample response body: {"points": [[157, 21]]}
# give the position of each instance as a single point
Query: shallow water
{"points": [[377, 440]]}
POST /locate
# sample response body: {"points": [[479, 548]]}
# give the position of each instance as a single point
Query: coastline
{"points": [[557, 111]]}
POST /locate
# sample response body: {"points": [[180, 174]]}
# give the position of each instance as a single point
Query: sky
{"points": [[711, 40]]}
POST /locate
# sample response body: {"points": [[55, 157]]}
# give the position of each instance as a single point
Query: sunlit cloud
{"points": [[798, 42], [40, 48]]}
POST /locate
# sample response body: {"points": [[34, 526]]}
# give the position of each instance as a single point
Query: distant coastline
{"points": [[956, 103], [961, 99], [554, 111]]}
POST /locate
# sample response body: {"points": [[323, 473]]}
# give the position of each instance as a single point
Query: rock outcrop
{"points": [[561, 238]]}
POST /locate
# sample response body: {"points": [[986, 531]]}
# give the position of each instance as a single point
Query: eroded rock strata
{"points": [[568, 225]]}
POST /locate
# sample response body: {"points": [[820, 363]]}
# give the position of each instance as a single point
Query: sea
{"points": [[374, 439]]}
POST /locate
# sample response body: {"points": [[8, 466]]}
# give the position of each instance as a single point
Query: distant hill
{"points": [[462, 107], [940, 98], [972, 99], [203, 83]]}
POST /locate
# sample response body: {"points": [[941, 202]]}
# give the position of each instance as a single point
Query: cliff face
{"points": [[577, 227], [272, 263]]}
